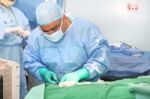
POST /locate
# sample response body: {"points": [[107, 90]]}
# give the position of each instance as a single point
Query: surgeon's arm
{"points": [[32, 62], [97, 51]]}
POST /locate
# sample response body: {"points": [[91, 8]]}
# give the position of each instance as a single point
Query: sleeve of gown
{"points": [[97, 50], [32, 61]]}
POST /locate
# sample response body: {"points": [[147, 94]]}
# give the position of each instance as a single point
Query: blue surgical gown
{"points": [[82, 46], [29, 7], [11, 44]]}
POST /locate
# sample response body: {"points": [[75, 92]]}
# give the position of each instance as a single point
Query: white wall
{"points": [[115, 21]]}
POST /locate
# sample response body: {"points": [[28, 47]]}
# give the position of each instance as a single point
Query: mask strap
{"points": [[64, 6], [61, 23], [61, 20]]}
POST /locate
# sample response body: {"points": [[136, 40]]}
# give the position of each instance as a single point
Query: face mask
{"points": [[55, 37], [7, 3]]}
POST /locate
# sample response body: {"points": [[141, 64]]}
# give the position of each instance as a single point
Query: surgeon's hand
{"points": [[76, 76], [48, 76]]}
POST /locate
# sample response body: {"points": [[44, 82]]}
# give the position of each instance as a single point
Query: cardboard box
{"points": [[9, 70]]}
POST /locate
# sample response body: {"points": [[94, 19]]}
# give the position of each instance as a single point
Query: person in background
{"points": [[14, 30], [29, 7], [65, 48]]}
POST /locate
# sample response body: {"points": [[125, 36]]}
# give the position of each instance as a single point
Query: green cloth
{"points": [[92, 91], [112, 90]]}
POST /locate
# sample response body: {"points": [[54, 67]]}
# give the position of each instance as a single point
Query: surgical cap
{"points": [[48, 12]]}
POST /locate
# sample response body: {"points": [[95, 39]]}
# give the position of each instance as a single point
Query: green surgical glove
{"points": [[76, 76], [48, 76]]}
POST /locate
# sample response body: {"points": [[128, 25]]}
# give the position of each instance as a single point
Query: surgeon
{"points": [[29, 7], [14, 30], [65, 48]]}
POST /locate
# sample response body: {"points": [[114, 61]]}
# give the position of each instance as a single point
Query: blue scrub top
{"points": [[82, 46]]}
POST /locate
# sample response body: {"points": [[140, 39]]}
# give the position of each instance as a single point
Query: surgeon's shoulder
{"points": [[34, 35], [85, 23], [87, 28]]}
